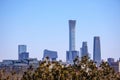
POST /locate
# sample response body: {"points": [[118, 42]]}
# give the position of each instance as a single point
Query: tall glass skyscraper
{"points": [[21, 49], [97, 50], [72, 24], [72, 53]]}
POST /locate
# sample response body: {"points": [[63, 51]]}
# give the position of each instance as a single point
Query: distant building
{"points": [[22, 52], [8, 62], [72, 24], [24, 55], [97, 51], [115, 66], [1, 63], [84, 49], [110, 60], [33, 61], [72, 53], [19, 65], [21, 49], [51, 54]]}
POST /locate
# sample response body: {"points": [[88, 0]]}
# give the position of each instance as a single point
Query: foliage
{"points": [[81, 69], [84, 69]]}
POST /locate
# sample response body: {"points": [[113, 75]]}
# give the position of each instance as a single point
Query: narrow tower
{"points": [[97, 51], [72, 24], [72, 53]]}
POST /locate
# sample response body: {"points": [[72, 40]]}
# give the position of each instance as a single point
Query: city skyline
{"points": [[44, 25]]}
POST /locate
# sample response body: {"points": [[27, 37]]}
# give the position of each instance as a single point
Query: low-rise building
{"points": [[51, 54], [113, 64]]}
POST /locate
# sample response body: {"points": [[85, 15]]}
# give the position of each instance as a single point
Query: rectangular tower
{"points": [[21, 49], [97, 50], [72, 24]]}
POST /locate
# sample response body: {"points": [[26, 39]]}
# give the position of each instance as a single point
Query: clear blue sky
{"points": [[43, 24]]}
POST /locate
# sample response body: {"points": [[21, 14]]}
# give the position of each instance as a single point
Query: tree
{"points": [[84, 69]]}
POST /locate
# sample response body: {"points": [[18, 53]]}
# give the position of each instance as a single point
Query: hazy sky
{"points": [[43, 24]]}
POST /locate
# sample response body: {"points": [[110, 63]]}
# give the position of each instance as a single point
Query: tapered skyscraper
{"points": [[72, 53], [97, 51], [72, 35]]}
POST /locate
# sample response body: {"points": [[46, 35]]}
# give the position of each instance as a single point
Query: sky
{"points": [[43, 24]]}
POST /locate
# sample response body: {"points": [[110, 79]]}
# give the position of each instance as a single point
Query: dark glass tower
{"points": [[84, 49], [72, 35], [97, 50]]}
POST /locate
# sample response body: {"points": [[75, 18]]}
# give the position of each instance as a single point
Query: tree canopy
{"points": [[82, 69]]}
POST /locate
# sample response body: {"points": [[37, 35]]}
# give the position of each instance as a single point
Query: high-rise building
{"points": [[72, 24], [21, 49], [51, 54], [97, 50], [72, 53], [84, 49]]}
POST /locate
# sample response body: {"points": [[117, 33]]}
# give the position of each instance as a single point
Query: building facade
{"points": [[115, 66], [51, 54], [22, 49], [84, 49], [97, 50], [72, 53], [24, 55], [72, 24], [110, 60]]}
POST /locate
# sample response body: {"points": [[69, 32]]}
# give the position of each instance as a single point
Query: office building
{"points": [[97, 51], [21, 49], [115, 66], [51, 54], [72, 24], [110, 60], [24, 55], [72, 53], [84, 50]]}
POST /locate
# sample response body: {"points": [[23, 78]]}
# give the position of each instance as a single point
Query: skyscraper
{"points": [[97, 50], [84, 49], [72, 24], [72, 53], [21, 49]]}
